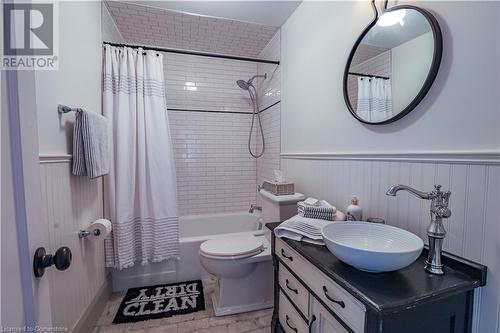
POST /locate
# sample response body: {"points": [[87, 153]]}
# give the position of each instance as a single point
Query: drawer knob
{"points": [[333, 300], [290, 288], [288, 324], [285, 256], [313, 319]]}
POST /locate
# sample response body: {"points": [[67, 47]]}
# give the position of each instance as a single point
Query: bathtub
{"points": [[193, 230]]}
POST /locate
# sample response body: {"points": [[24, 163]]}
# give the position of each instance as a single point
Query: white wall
{"points": [[411, 62], [110, 32], [458, 114], [77, 83], [68, 202]]}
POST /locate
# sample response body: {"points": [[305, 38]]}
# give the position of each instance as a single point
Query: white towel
{"points": [[319, 210], [90, 145], [305, 229], [312, 201]]}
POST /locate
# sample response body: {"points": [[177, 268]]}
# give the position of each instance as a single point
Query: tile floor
{"points": [[199, 322]]}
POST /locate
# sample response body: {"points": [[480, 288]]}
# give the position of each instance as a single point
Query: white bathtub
{"points": [[194, 230]]}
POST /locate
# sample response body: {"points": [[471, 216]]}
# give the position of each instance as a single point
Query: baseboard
{"points": [[93, 312]]}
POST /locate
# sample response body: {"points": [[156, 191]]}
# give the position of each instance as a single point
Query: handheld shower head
{"points": [[246, 85], [243, 84]]}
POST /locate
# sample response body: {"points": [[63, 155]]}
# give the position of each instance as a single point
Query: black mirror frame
{"points": [[431, 76]]}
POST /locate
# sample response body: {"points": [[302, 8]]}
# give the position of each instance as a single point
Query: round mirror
{"points": [[392, 65]]}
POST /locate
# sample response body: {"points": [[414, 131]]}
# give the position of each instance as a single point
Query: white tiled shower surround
{"points": [[270, 96], [215, 172]]}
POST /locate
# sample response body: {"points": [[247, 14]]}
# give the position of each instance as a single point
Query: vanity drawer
{"points": [[294, 290], [348, 308], [290, 319]]}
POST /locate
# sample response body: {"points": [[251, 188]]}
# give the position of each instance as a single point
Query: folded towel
{"points": [[301, 228], [305, 229], [90, 145], [312, 201], [321, 210]]}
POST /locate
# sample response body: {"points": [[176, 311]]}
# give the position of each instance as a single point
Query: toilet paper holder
{"points": [[86, 233]]}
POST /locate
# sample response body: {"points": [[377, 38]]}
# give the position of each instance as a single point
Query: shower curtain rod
{"points": [[195, 53], [369, 75]]}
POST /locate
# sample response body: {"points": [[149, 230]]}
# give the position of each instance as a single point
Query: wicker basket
{"points": [[278, 188]]}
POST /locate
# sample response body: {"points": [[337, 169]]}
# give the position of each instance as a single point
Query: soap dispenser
{"points": [[354, 212]]}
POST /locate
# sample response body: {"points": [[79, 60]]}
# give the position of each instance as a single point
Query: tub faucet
{"points": [[435, 230], [254, 207]]}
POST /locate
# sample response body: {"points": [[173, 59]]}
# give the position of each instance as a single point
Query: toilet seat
{"points": [[238, 247]]}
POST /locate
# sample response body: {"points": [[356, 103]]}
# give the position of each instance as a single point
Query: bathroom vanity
{"points": [[316, 292]]}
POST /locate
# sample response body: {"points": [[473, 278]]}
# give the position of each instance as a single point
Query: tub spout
{"points": [[253, 208]]}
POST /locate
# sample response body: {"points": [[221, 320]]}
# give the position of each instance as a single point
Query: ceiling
{"points": [[273, 13]]}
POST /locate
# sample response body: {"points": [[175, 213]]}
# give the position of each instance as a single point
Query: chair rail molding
{"points": [[454, 157]]}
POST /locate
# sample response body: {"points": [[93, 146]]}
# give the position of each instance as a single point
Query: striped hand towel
{"points": [[90, 145], [323, 210]]}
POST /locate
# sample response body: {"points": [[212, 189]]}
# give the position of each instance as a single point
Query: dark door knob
{"points": [[61, 259]]}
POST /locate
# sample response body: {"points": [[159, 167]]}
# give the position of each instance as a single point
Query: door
{"points": [[322, 321], [25, 299]]}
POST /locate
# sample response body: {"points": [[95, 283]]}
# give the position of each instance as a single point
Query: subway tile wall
{"points": [[215, 172], [269, 92], [159, 27], [195, 82]]}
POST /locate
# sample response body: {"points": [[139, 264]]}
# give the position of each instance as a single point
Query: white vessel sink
{"points": [[372, 247]]}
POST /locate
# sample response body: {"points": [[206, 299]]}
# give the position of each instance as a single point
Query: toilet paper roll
{"points": [[104, 227]]}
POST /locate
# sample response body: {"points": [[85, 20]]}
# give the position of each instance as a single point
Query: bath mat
{"points": [[160, 301]]}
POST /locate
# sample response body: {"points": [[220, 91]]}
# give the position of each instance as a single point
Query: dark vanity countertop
{"points": [[392, 291]]}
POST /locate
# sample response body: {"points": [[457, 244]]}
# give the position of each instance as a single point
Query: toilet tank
{"points": [[278, 208]]}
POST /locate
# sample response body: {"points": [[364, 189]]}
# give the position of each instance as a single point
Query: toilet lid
{"points": [[232, 246]]}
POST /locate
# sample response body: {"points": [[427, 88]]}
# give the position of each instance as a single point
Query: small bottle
{"points": [[354, 212]]}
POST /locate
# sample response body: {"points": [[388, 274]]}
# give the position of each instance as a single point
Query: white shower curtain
{"points": [[374, 99], [141, 186]]}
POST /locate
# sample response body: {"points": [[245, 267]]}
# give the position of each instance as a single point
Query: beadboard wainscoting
{"points": [[68, 204], [473, 230]]}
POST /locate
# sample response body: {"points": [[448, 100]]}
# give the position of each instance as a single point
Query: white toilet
{"points": [[242, 264]]}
